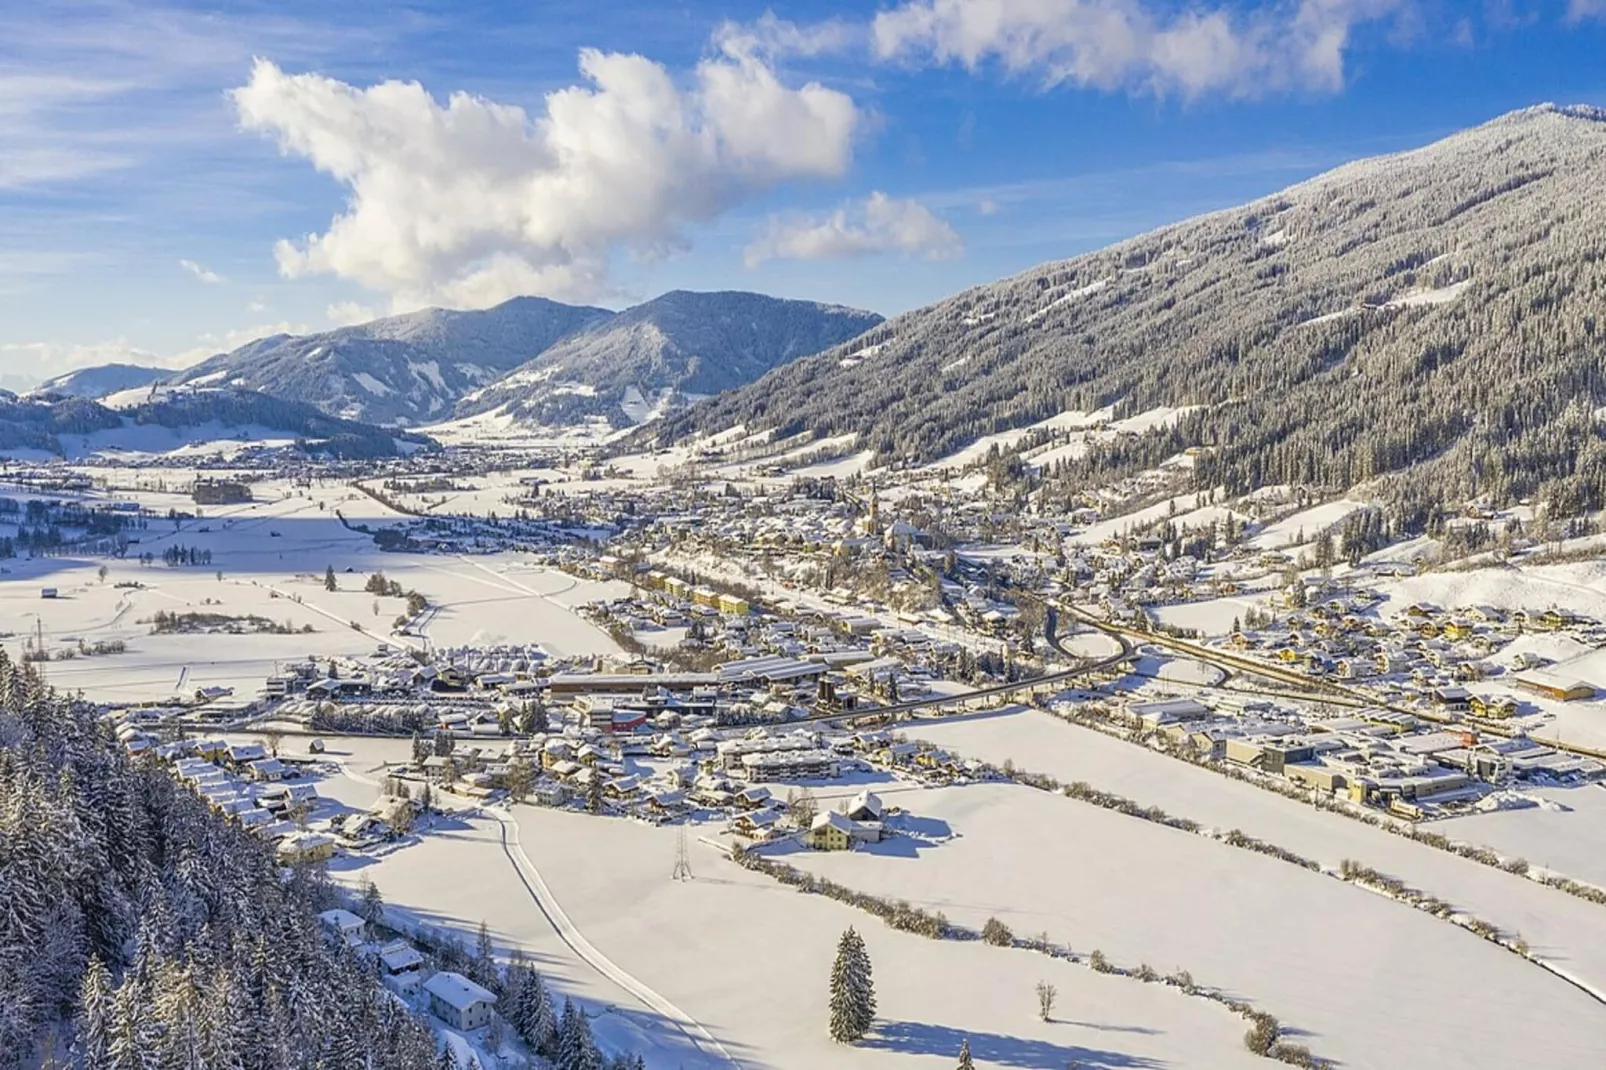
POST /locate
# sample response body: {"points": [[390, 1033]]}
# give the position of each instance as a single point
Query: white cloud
{"points": [[212, 343], [348, 313], [879, 224], [256, 306], [772, 36], [1127, 45], [1579, 10], [34, 362], [201, 272], [468, 202]]}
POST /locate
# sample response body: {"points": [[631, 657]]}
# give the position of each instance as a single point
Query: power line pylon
{"points": [[682, 857]]}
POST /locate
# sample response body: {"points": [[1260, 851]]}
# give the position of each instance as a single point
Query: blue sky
{"points": [[175, 179]]}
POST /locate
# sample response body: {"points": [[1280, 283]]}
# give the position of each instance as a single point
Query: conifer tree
{"points": [[95, 1015], [852, 990], [373, 903]]}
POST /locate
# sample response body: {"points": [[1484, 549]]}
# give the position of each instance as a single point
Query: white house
{"points": [[866, 806], [459, 1002], [342, 925]]}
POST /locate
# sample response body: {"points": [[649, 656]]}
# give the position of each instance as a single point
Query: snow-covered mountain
{"points": [[654, 357], [534, 360], [1437, 317], [399, 370], [101, 380], [197, 421]]}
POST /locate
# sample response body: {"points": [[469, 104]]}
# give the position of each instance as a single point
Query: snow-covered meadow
{"points": [[744, 959]]}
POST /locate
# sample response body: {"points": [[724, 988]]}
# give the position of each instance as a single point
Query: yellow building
{"points": [[830, 831], [1493, 705], [303, 847], [733, 606]]}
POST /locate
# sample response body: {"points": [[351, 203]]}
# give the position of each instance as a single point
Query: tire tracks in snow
{"points": [[569, 933]]}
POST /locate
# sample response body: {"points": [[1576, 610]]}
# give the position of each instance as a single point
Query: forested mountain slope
{"points": [[649, 359], [1440, 313], [139, 930], [62, 426], [103, 379], [401, 369]]}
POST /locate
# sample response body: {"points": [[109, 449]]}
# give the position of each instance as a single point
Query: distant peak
{"points": [[1586, 112]]}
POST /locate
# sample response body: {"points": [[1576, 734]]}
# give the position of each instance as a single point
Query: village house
{"points": [[305, 847], [268, 769], [459, 1002], [833, 831], [401, 967], [342, 926]]}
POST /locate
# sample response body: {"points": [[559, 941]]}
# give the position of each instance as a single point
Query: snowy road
{"points": [[547, 903]]}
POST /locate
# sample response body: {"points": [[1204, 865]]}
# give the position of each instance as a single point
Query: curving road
{"points": [[1051, 630]]}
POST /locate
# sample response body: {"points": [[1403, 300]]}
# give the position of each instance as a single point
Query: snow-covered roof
{"points": [[400, 956], [455, 990], [835, 820], [340, 919]]}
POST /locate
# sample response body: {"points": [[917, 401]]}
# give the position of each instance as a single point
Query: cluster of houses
{"points": [[248, 786], [1379, 758], [454, 999], [1457, 662]]}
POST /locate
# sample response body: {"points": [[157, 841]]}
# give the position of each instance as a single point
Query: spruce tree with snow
{"points": [[482, 970], [540, 1025], [965, 1061], [574, 1048], [852, 990], [95, 1012], [373, 903]]}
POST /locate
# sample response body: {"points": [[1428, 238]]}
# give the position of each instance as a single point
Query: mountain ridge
{"points": [[539, 360], [51, 424], [651, 357], [405, 369], [1333, 332], [99, 380]]}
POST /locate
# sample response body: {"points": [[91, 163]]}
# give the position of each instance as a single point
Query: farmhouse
{"points": [[459, 1002], [401, 966], [831, 831]]}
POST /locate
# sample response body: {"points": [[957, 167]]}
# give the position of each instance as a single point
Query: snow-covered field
{"points": [[747, 959], [271, 556], [1374, 982], [1560, 928]]}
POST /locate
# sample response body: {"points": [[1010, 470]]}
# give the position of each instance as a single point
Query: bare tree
{"points": [[271, 738], [1046, 994]]}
